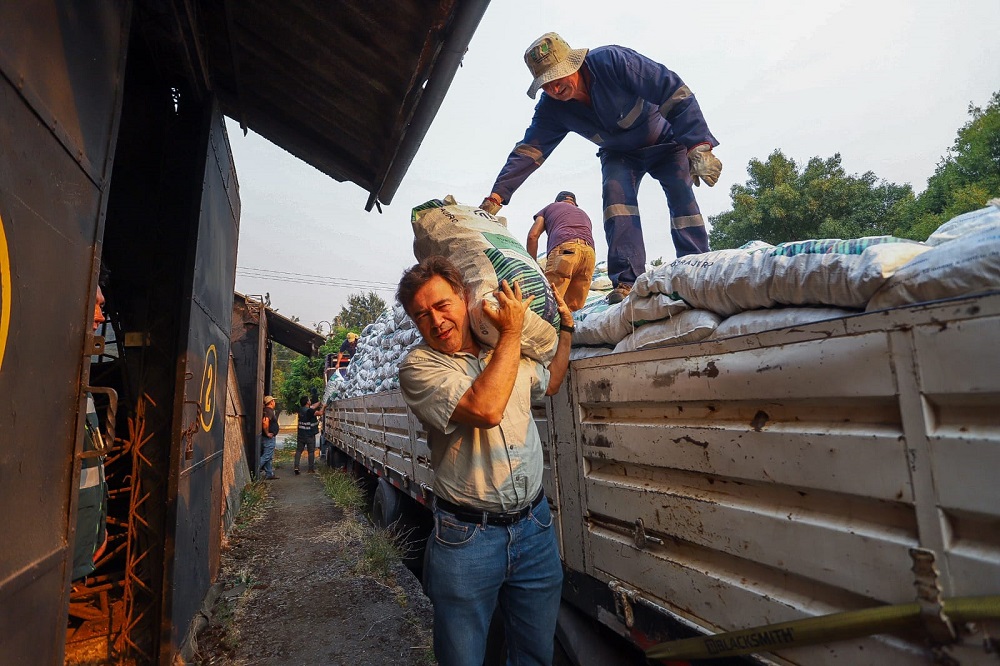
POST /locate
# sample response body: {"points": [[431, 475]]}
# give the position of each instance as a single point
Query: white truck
{"points": [[780, 477]]}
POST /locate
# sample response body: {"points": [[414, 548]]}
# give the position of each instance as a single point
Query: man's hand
{"points": [[565, 314], [704, 165], [492, 204], [508, 314]]}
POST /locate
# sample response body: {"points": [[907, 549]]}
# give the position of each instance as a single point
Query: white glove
{"points": [[704, 165]]}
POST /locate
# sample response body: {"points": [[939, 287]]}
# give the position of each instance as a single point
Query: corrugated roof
{"points": [[349, 87]]}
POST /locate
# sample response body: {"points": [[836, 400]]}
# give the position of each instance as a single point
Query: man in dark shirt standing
{"points": [[569, 263], [268, 435], [308, 427]]}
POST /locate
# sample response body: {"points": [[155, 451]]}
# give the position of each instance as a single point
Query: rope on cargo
{"points": [[822, 629]]}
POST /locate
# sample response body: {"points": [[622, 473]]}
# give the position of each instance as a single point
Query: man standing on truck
{"points": [[569, 260], [493, 537], [346, 353], [644, 120]]}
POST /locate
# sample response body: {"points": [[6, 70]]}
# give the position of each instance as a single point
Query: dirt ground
{"points": [[291, 592]]}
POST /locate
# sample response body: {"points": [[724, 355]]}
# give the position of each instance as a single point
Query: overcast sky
{"points": [[886, 83]]}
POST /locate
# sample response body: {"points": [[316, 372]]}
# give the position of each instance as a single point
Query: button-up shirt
{"points": [[491, 469]]}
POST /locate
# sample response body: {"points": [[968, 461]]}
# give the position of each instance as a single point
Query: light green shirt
{"points": [[492, 469]]}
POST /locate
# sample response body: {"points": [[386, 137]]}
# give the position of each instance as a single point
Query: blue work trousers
{"points": [[622, 172], [469, 568]]}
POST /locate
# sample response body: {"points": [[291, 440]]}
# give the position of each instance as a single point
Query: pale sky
{"points": [[886, 83]]}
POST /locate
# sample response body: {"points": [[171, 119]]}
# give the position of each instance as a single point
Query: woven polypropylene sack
{"points": [[965, 266], [485, 253]]}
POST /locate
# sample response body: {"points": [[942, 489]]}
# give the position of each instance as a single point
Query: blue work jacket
{"points": [[634, 103]]}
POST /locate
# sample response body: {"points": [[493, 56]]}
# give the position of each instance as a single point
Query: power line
{"points": [[251, 272]]}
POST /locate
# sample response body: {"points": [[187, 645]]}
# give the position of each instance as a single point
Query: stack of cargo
{"points": [[761, 287]]}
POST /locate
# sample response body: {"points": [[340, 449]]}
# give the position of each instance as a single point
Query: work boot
{"points": [[619, 293]]}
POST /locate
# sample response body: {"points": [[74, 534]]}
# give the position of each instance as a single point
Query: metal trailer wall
{"points": [[250, 355], [773, 477], [61, 73]]}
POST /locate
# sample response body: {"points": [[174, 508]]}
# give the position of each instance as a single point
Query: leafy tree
{"points": [[965, 179], [361, 310], [305, 373], [781, 202]]}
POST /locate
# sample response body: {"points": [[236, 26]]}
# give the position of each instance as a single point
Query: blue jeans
{"points": [[469, 568], [267, 455], [621, 173]]}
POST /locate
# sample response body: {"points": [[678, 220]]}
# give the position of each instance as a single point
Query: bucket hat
{"points": [[549, 58]]}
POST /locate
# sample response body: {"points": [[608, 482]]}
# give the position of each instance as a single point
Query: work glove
{"points": [[704, 165], [491, 204]]}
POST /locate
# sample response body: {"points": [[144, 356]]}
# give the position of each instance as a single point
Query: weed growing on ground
{"points": [[252, 499], [380, 552], [343, 490]]}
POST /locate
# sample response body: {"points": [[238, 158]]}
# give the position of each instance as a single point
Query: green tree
{"points": [[781, 202], [965, 178], [306, 373], [361, 310]]}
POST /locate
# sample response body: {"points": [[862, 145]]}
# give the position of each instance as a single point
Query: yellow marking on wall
{"points": [[207, 394], [5, 292]]}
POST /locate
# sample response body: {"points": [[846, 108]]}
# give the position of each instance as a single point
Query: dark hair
{"points": [[420, 274], [566, 195], [303, 401]]}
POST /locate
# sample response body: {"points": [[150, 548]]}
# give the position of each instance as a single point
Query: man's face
{"points": [[566, 88], [99, 311], [270, 404], [442, 317]]}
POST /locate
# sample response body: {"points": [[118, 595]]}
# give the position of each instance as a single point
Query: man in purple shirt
{"points": [[569, 261], [643, 118]]}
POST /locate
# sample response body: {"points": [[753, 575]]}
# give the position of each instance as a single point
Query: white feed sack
{"points": [[839, 273], [756, 321], [485, 253], [965, 266], [601, 324], [577, 353], [973, 221], [689, 326]]}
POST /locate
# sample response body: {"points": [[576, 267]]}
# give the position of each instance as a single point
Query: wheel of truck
{"points": [[387, 507]]}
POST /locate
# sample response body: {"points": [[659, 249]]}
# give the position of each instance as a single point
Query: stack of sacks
{"points": [[485, 253], [832, 272], [637, 323], [382, 345], [964, 260], [601, 281]]}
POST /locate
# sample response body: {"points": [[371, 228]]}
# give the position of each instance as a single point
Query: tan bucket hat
{"points": [[549, 58]]}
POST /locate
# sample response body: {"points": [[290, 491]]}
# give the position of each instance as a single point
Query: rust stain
{"points": [[599, 441], [687, 438], [710, 371], [667, 379], [599, 391], [759, 420]]}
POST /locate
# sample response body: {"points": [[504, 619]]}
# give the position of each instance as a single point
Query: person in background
{"points": [[494, 542], [569, 262], [346, 353], [643, 118], [91, 534], [268, 438], [308, 428]]}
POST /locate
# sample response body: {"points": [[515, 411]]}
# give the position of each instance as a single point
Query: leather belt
{"points": [[471, 515]]}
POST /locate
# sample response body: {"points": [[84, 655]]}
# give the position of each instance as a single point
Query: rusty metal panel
{"points": [[200, 433], [60, 71]]}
